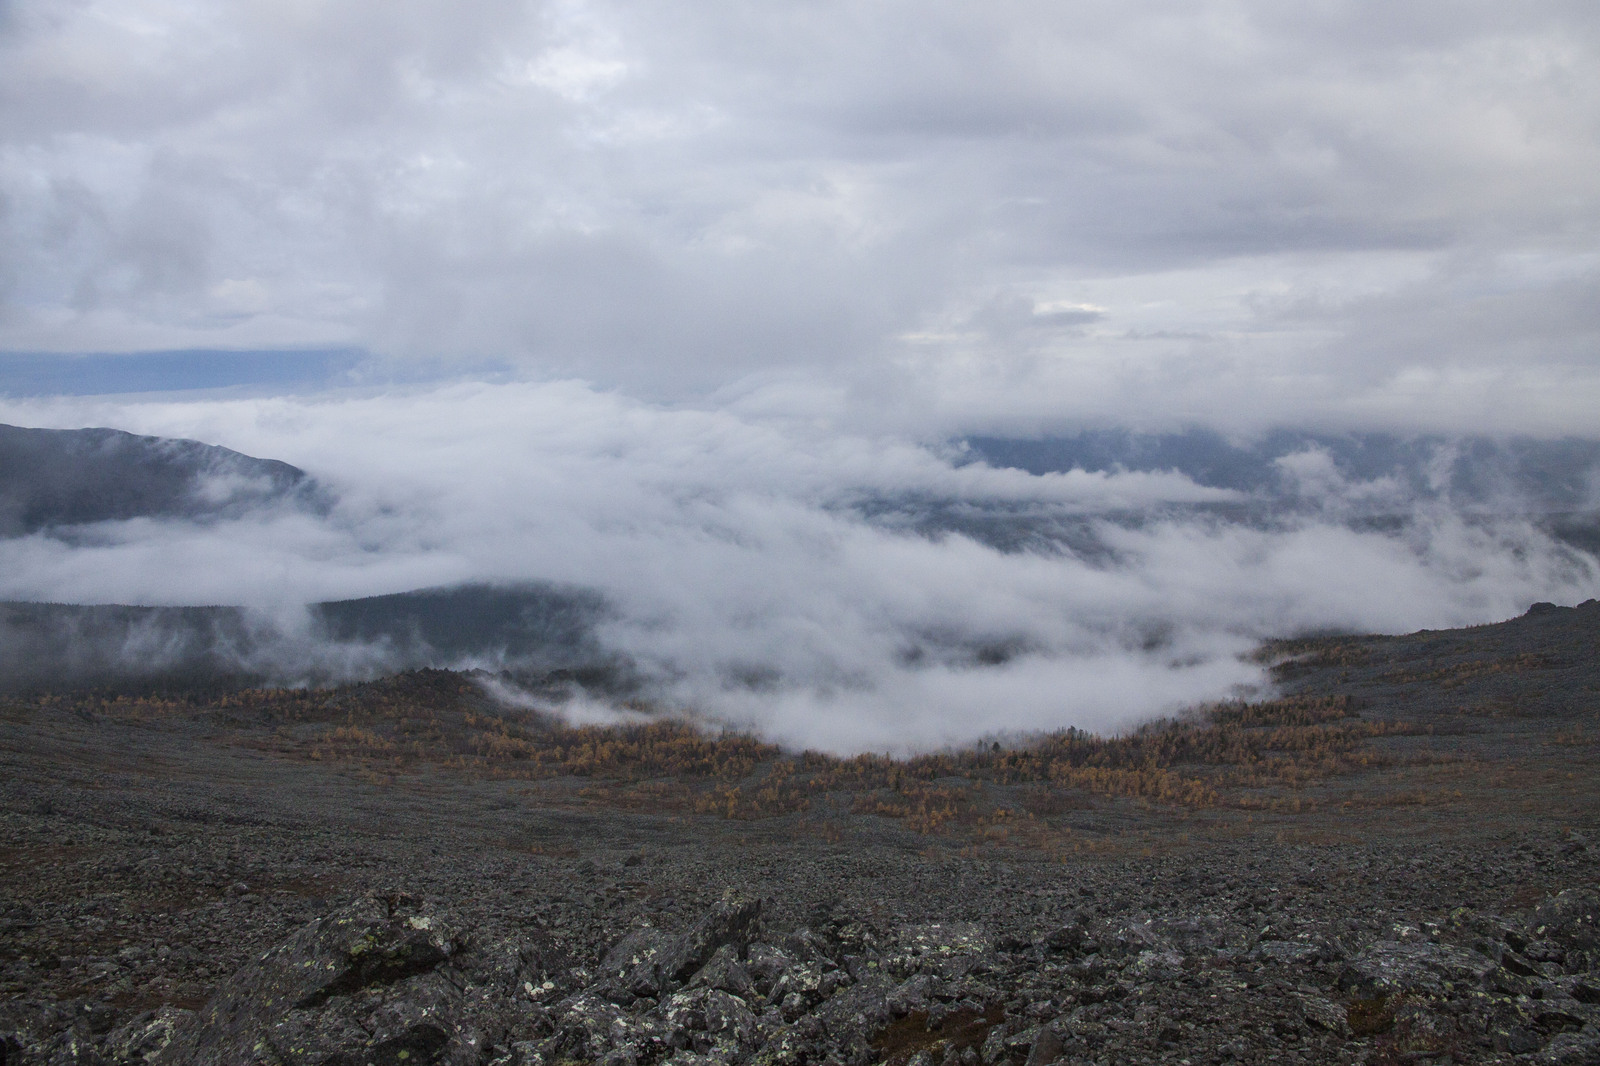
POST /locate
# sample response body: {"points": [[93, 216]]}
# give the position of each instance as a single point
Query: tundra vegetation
{"points": [[1232, 755]]}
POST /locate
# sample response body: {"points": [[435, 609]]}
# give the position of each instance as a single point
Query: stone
{"points": [[1069, 939], [734, 920], [145, 1036], [374, 943], [1388, 967], [1166, 965], [585, 1027], [729, 1016], [1047, 1048], [766, 964], [855, 1016], [950, 949], [1324, 1014], [1571, 1049], [1290, 952], [632, 963], [1516, 1040], [724, 971], [915, 993], [1571, 917]]}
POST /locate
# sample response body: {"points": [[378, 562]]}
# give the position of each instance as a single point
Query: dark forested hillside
{"points": [[65, 477]]}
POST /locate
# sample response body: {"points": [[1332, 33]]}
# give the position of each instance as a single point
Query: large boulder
{"points": [[648, 962], [1571, 918], [383, 980], [948, 949], [1388, 967]]}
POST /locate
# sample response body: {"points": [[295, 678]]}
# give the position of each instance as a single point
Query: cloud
{"points": [[1348, 214], [758, 570], [787, 246]]}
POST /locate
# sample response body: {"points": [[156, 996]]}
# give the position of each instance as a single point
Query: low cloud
{"points": [[757, 569]]}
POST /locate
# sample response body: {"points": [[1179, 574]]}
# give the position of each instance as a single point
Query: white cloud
{"points": [[1275, 212], [795, 240], [747, 580]]}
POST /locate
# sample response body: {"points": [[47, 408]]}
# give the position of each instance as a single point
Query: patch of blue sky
{"points": [[193, 370]]}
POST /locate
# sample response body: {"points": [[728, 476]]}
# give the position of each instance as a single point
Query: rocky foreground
{"points": [[1255, 974], [194, 887]]}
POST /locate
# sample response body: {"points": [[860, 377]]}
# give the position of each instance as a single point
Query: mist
{"points": [[878, 376], [798, 576]]}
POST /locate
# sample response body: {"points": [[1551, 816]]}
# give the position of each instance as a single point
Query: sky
{"points": [[650, 297], [1005, 217]]}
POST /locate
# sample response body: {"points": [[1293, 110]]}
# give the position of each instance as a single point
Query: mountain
{"points": [[539, 633], [1518, 474], [67, 477]]}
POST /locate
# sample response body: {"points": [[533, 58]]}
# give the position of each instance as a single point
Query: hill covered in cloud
{"points": [[538, 634], [50, 478], [1499, 475]]}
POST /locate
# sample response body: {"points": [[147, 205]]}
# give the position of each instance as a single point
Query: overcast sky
{"points": [[1006, 216], [648, 297]]}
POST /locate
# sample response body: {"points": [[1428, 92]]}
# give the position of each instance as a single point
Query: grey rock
{"points": [[724, 971], [1572, 918], [585, 1027], [1323, 1013], [913, 994], [1069, 939], [1165, 965], [385, 979], [1292, 952], [1388, 967], [74, 1047], [802, 986], [734, 920], [633, 963], [994, 1047], [684, 1012], [766, 964], [1047, 1048], [946, 948], [730, 1017], [853, 1017], [1516, 1040], [1555, 1011], [374, 943], [142, 1039], [1571, 1049]]}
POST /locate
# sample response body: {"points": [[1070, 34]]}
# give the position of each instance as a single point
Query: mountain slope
{"points": [[1511, 475], [539, 632], [65, 477]]}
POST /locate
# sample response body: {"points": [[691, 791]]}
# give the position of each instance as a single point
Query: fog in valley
{"points": [[871, 376], [824, 587]]}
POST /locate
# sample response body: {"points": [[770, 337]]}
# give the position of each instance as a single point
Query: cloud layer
{"points": [[970, 216], [737, 265], [757, 569]]}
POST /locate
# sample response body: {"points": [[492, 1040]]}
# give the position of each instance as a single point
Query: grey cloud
{"points": [[792, 245], [1478, 315], [829, 587], [674, 197]]}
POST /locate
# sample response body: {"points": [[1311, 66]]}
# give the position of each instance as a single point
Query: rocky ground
{"points": [[204, 886]]}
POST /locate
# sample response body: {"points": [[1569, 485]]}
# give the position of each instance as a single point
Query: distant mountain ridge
{"points": [[542, 633], [1543, 476], [67, 477]]}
